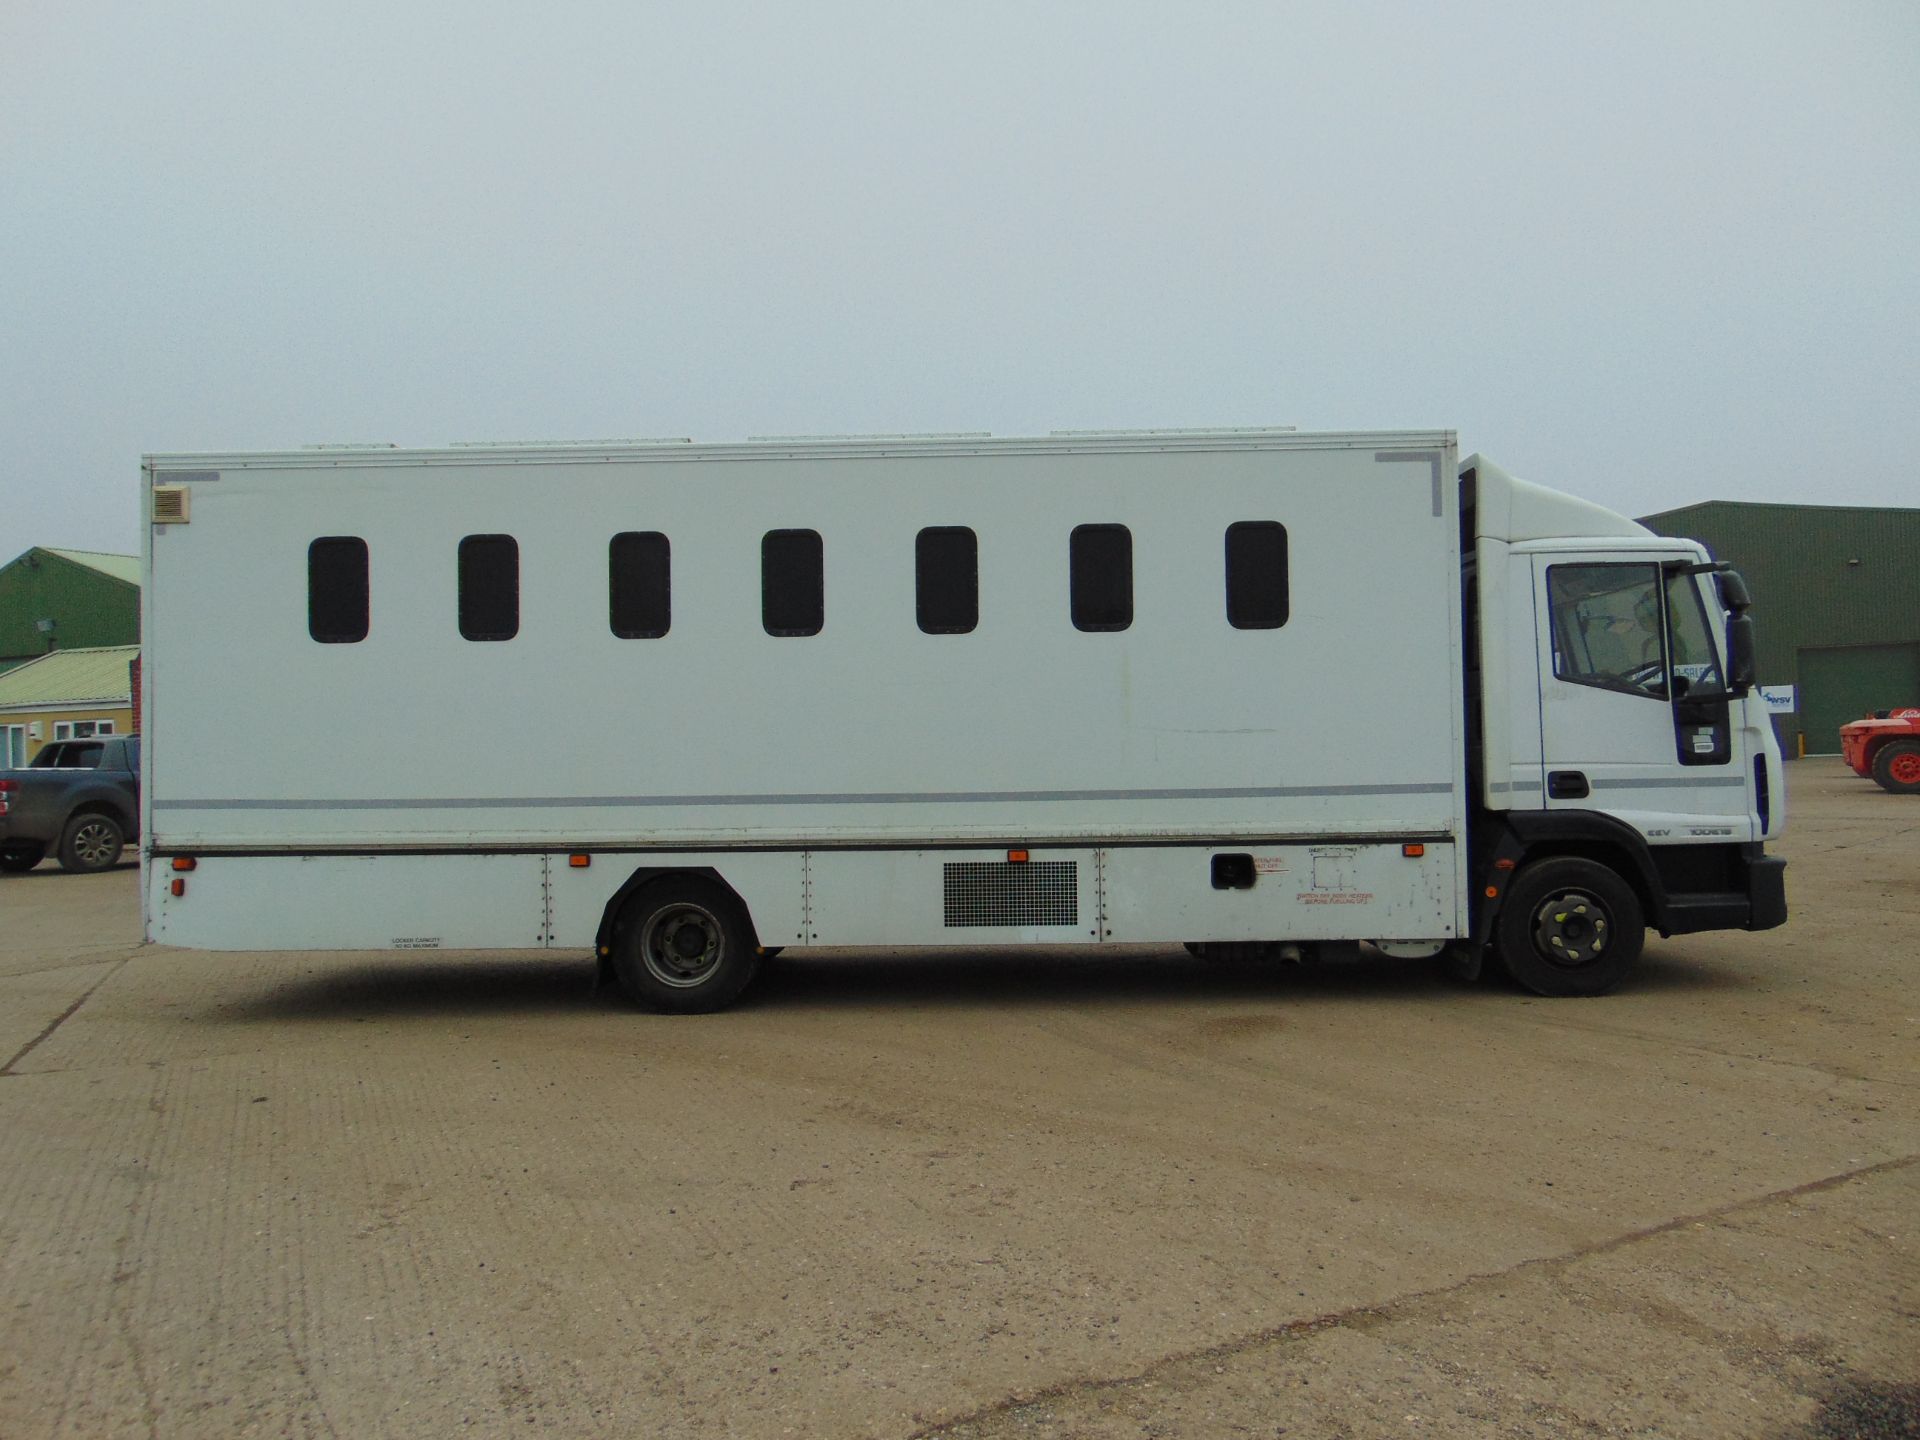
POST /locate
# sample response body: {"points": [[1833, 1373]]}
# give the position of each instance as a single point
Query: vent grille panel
{"points": [[170, 504], [999, 893]]}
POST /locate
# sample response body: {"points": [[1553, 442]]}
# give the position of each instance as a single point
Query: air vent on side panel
{"points": [[170, 504], [992, 892]]}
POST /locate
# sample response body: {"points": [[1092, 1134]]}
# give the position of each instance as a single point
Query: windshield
{"points": [[1694, 659]]}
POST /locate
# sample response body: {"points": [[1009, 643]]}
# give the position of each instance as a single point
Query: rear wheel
{"points": [[1896, 767], [684, 945], [91, 842], [1569, 927], [21, 858]]}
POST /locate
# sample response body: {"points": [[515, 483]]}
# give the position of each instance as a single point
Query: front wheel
{"points": [[1569, 927], [1896, 767], [91, 842], [685, 945]]}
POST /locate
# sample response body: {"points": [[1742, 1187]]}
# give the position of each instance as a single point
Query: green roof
{"points": [[70, 677], [120, 567]]}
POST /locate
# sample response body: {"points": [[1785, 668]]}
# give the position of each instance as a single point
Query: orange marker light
{"points": [[579, 862], [184, 862], [1492, 891], [179, 887], [1413, 852], [1016, 857]]}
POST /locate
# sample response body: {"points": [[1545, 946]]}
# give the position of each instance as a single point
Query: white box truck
{"points": [[685, 705]]}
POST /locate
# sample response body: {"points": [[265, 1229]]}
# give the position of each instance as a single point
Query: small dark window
{"points": [[792, 591], [337, 589], [639, 590], [489, 587], [1257, 575], [1233, 872], [1102, 577], [946, 579]]}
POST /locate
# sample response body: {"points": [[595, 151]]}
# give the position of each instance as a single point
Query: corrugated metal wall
{"points": [[1823, 576], [88, 609]]}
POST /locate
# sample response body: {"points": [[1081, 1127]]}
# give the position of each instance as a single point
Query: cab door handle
{"points": [[1567, 785]]}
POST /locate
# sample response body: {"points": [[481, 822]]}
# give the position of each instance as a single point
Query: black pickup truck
{"points": [[79, 798]]}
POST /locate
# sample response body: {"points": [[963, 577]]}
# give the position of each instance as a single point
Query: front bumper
{"points": [[1761, 905], [1766, 892], [1853, 749]]}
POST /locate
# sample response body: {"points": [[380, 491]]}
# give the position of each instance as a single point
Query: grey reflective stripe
{"points": [[956, 797], [1680, 782], [1394, 457]]}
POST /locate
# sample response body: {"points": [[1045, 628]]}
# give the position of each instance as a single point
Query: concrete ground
{"points": [[1054, 1195]]}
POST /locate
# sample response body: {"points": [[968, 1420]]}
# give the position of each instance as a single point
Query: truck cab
{"points": [[1620, 727]]}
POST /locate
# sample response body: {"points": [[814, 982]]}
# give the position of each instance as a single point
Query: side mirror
{"points": [[1741, 668], [1733, 591]]}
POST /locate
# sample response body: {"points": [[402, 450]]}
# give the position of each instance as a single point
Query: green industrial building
{"points": [[67, 600], [1836, 604]]}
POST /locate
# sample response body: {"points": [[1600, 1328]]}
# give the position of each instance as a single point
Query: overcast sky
{"points": [[1647, 253]]}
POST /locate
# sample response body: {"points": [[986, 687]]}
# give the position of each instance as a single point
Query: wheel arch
{"points": [[647, 875], [103, 804], [1523, 836]]}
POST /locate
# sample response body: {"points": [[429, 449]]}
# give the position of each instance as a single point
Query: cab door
{"points": [[1634, 714]]}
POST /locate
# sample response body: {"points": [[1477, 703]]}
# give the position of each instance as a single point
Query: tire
{"points": [[91, 842], [684, 945], [21, 859], [1569, 927], [1896, 767]]}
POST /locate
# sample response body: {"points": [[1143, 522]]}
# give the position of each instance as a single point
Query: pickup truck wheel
{"points": [[1896, 767], [21, 859], [684, 945], [92, 842], [1569, 927]]}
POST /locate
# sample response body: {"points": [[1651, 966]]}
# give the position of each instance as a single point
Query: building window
{"points": [[81, 729], [489, 587], [946, 579], [337, 589], [13, 747], [1101, 577], [1257, 575], [792, 588], [639, 588]]}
